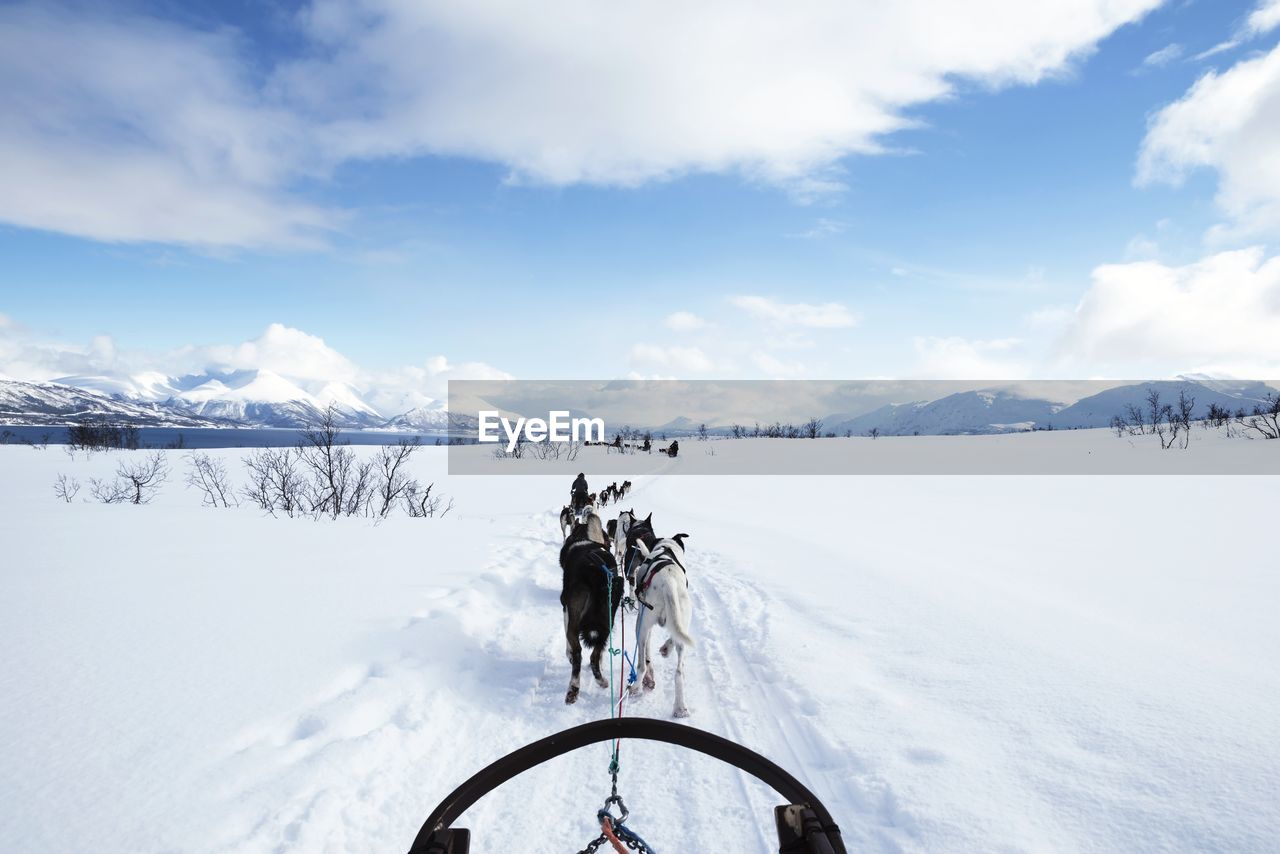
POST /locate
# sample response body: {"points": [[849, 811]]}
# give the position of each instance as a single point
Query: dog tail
{"points": [[681, 610]]}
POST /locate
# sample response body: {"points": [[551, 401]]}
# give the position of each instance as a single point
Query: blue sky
{"points": [[403, 209]]}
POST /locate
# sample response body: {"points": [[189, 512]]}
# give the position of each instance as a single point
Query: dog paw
{"points": [[680, 712], [602, 682], [634, 689], [571, 696]]}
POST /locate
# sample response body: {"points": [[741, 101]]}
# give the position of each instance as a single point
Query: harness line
{"points": [[612, 830], [615, 705]]}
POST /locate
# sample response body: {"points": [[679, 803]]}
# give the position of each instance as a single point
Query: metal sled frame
{"points": [[804, 824]]}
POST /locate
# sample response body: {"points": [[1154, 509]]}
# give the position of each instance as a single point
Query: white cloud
{"points": [[1264, 18], [1218, 315], [829, 315], [1220, 47], [400, 390], [1050, 317], [684, 321], [615, 94], [1141, 248], [822, 227], [675, 358], [280, 349], [1228, 122], [296, 355], [119, 127], [775, 367], [26, 357], [964, 359], [1163, 56]]}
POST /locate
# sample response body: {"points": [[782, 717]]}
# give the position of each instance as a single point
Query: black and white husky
{"points": [[567, 522], [590, 594], [656, 569]]}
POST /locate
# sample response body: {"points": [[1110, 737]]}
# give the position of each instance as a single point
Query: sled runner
{"points": [[804, 825]]}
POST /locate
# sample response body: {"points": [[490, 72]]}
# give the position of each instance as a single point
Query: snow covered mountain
{"points": [[257, 398], [264, 398], [1097, 410], [995, 411], [431, 420], [986, 411], [250, 398], [51, 404]]}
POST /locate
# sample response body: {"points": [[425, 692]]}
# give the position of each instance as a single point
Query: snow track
{"points": [[479, 670]]}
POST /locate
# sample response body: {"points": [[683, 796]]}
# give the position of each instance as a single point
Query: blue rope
{"points": [[623, 833], [631, 679]]}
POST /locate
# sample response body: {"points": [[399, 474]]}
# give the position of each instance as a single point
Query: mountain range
{"points": [[248, 398], [1000, 411], [261, 398]]}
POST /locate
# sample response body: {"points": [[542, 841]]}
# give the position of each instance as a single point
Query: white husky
{"points": [[662, 590]]}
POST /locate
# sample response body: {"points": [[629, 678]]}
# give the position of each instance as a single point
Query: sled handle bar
{"points": [[438, 837]]}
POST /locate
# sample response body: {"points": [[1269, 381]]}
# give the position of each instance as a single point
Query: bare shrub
{"points": [[1162, 420], [275, 483], [421, 504], [1218, 417], [1264, 420], [553, 450], [113, 491], [103, 435], [144, 478], [66, 488], [1133, 416], [361, 489], [392, 478], [338, 484], [209, 475], [1181, 417]]}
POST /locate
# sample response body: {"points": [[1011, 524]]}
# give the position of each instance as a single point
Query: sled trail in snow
{"points": [[480, 670]]}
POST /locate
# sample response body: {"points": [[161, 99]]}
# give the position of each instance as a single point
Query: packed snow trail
{"points": [[483, 672]]}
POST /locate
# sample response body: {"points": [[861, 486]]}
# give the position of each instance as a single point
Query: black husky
{"points": [[589, 596]]}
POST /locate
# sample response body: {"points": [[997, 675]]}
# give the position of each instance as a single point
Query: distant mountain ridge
{"points": [[48, 404], [996, 411], [250, 398], [259, 398]]}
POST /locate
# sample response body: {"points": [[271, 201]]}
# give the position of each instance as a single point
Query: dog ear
{"points": [[649, 518]]}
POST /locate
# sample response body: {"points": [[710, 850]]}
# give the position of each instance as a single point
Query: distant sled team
{"points": [[603, 566], [582, 502]]}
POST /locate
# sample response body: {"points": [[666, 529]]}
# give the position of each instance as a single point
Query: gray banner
{"points": [[736, 427]]}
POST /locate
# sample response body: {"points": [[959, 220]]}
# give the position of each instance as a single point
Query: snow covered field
{"points": [[952, 663]]}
